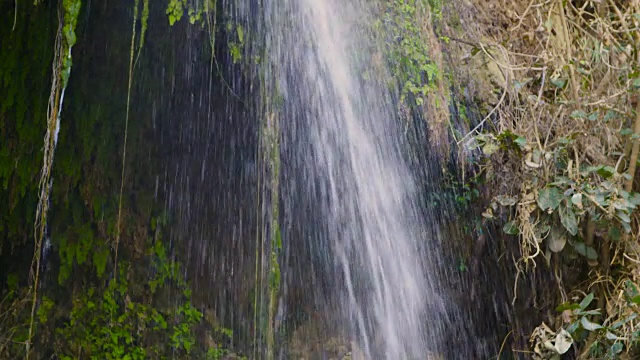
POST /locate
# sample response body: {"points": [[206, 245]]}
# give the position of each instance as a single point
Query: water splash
{"points": [[351, 155]]}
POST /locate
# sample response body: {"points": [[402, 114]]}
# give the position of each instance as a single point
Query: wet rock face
{"points": [[314, 341]]}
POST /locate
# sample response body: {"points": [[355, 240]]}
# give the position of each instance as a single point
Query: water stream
{"points": [[347, 146]]}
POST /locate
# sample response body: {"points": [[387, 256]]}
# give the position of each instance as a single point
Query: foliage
{"points": [[236, 42], [405, 48], [562, 159], [435, 6], [71, 11], [205, 14], [110, 315], [217, 352], [195, 10], [574, 195], [119, 322], [85, 248]]}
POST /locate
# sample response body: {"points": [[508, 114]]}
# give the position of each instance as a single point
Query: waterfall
{"points": [[345, 142]]}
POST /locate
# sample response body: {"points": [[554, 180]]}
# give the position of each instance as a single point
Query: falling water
{"points": [[351, 155]]}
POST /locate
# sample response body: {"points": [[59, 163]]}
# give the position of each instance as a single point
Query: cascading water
{"points": [[351, 156]]}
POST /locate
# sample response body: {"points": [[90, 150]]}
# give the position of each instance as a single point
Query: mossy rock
{"points": [[313, 340]]}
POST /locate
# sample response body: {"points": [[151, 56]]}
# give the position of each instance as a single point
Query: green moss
{"points": [[405, 49], [25, 63]]}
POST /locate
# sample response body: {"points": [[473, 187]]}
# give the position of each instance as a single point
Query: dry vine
{"points": [[51, 137]]}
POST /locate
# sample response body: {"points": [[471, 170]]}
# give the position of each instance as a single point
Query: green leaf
{"points": [[588, 325], [623, 216], [619, 323], [578, 114], [614, 233], [606, 171], [510, 228], [589, 312], [549, 198], [489, 148], [593, 116], [568, 219], [632, 289], [586, 251], [559, 83], [573, 327], [567, 306], [636, 83], [586, 301], [614, 350], [610, 114], [520, 141], [240, 32], [100, 261], [626, 131]]}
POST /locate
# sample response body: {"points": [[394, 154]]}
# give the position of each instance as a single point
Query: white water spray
{"points": [[319, 51]]}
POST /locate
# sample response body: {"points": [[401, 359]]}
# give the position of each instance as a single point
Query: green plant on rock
{"points": [[71, 11], [436, 8], [120, 322], [610, 337], [195, 10], [80, 249], [554, 211], [405, 48], [236, 42]]}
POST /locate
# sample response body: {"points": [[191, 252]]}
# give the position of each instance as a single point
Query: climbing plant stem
{"points": [[68, 11], [126, 131]]}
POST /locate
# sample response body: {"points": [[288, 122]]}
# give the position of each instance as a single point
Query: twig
{"points": [[15, 16], [521, 18], [461, 41], [622, 21], [567, 41], [503, 344], [633, 160], [544, 76], [504, 93], [126, 132]]}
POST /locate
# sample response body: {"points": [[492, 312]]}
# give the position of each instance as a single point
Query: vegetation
{"points": [[560, 147], [78, 300], [119, 322], [409, 60], [555, 150]]}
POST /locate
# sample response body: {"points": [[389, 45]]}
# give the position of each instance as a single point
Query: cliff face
{"points": [[174, 179], [522, 119]]}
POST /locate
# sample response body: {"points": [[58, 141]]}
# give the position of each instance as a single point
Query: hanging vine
{"points": [[145, 17], [65, 39]]}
